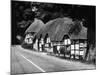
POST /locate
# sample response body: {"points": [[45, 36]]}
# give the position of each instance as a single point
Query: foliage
{"points": [[22, 15]]}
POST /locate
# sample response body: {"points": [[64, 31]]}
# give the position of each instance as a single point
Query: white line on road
{"points": [[33, 63]]}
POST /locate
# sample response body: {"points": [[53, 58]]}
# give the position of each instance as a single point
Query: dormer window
{"points": [[66, 40]]}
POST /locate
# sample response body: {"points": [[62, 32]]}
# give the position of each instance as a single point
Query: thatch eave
{"points": [[57, 28]]}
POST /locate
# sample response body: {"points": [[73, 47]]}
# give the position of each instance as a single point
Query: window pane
{"points": [[69, 41], [81, 52], [72, 46], [76, 52], [76, 46], [72, 51]]}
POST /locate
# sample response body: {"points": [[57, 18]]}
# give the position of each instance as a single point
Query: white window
{"points": [[42, 41], [72, 52], [40, 45], [81, 44], [48, 40], [81, 52], [77, 46], [77, 52], [30, 41], [72, 47], [65, 42], [46, 45], [69, 41], [51, 44], [58, 47]]}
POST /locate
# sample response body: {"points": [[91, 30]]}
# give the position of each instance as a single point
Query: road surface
{"points": [[24, 61]]}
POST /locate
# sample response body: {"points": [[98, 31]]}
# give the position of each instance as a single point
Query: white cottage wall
{"points": [[36, 45], [28, 39]]}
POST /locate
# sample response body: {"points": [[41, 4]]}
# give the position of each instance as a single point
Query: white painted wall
{"points": [[48, 40], [28, 39], [36, 45], [67, 41]]}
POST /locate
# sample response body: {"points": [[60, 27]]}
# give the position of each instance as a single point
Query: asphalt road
{"points": [[24, 61]]}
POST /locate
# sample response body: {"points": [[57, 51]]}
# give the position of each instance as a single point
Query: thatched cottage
{"points": [[32, 30], [62, 32]]}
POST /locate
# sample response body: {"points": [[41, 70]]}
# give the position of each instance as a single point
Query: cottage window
{"points": [[30, 41], [69, 41], [81, 52], [72, 52], [46, 45], [51, 44], [42, 41], [66, 41], [72, 47], [83, 48], [40, 45], [76, 52], [81, 44], [58, 47], [48, 40], [77, 46]]}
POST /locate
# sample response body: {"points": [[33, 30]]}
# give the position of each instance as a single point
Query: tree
{"points": [[23, 14]]}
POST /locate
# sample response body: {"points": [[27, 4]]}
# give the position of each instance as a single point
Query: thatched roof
{"points": [[57, 28], [82, 34], [35, 26]]}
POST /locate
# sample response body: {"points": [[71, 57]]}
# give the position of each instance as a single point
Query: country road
{"points": [[24, 61]]}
